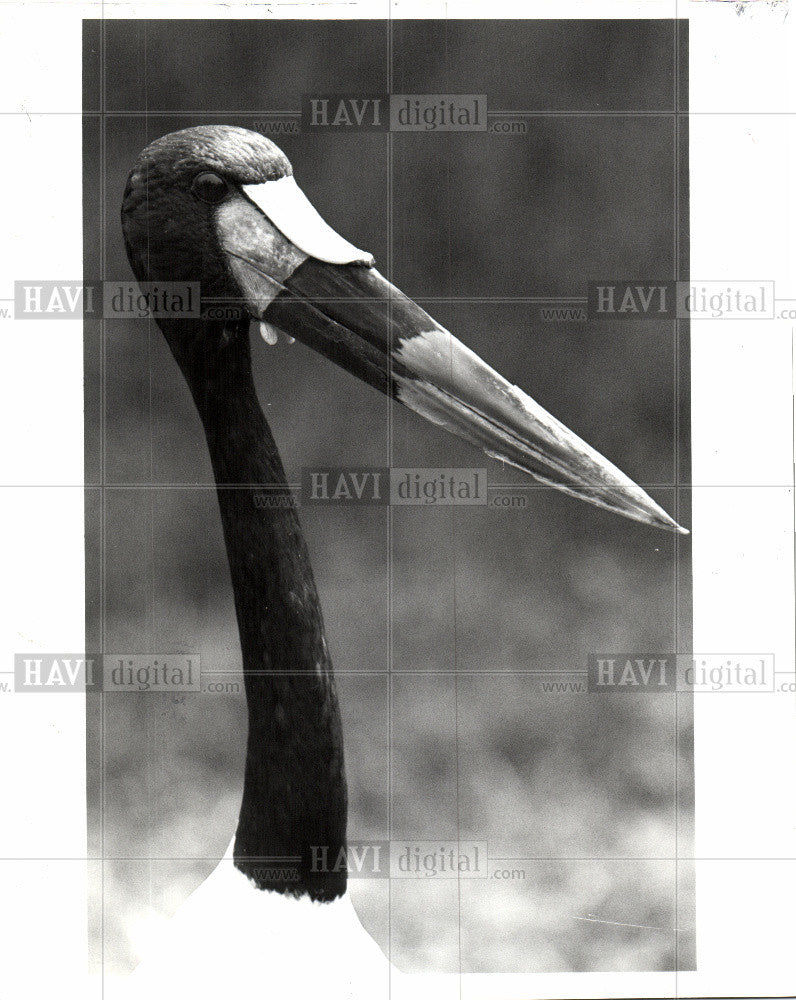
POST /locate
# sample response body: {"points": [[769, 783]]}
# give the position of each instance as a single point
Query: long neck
{"points": [[292, 826]]}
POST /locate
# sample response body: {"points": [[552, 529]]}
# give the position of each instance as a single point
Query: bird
{"points": [[219, 205]]}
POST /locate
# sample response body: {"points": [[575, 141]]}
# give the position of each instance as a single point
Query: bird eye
{"points": [[209, 187]]}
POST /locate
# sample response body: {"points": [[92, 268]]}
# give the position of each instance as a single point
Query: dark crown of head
{"points": [[243, 156]]}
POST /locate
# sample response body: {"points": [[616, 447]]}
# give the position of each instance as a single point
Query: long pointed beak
{"points": [[352, 315]]}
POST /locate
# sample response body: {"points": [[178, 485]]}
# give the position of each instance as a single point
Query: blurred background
{"points": [[471, 608]]}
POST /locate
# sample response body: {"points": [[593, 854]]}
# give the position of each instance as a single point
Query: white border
{"points": [[42, 737], [742, 222]]}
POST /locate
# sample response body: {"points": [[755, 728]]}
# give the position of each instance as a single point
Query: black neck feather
{"points": [[294, 799]]}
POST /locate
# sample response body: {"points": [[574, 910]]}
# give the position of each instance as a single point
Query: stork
{"points": [[219, 205]]}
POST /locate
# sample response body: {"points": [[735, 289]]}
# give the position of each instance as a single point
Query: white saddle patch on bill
{"points": [[293, 214]]}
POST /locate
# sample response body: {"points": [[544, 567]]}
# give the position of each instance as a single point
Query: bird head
{"points": [[219, 205]]}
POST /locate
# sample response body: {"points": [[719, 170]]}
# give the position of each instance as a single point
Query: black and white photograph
{"points": [[399, 502]]}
